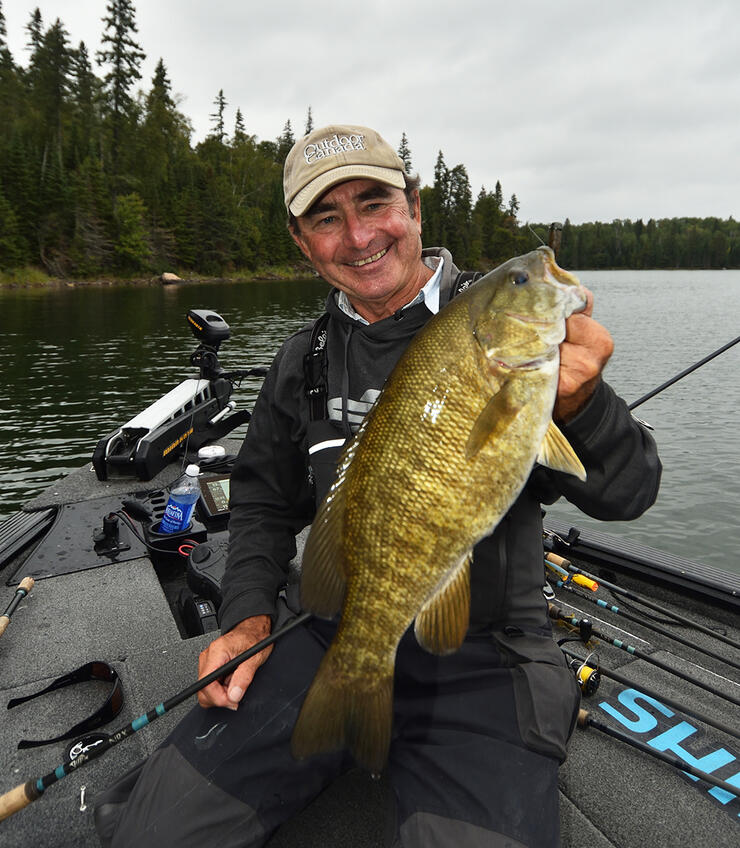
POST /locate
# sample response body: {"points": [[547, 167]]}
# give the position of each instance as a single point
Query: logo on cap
{"points": [[333, 145]]}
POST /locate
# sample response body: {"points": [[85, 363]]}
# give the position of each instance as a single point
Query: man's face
{"points": [[362, 238]]}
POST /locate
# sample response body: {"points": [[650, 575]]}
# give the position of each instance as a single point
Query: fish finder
{"points": [[214, 497]]}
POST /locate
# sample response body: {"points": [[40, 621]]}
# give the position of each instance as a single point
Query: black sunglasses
{"points": [[95, 670]]}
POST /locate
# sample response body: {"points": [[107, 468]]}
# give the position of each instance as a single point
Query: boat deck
{"points": [[612, 796]]}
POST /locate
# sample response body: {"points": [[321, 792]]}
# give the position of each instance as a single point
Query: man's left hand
{"points": [[583, 355]]}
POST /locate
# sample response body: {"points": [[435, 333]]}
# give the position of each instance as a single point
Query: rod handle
{"points": [[564, 564], [16, 799], [584, 718], [4, 622], [26, 584]]}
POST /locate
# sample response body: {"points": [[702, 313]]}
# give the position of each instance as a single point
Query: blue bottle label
{"points": [[176, 517]]}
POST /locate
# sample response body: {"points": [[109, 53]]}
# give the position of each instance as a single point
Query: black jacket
{"points": [[272, 485]]}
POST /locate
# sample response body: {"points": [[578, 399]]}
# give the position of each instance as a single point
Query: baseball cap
{"points": [[333, 154]]}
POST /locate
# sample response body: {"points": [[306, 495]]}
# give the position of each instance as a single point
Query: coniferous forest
{"points": [[99, 176]]}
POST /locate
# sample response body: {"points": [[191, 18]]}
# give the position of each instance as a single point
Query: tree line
{"points": [[99, 176]]}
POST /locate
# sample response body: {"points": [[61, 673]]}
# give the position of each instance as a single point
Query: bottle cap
{"points": [[211, 452], [192, 470]]}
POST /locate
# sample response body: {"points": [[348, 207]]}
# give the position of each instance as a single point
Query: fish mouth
{"points": [[359, 263], [527, 364], [527, 319]]}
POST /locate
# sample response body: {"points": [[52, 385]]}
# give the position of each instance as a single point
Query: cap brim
{"points": [[307, 196]]}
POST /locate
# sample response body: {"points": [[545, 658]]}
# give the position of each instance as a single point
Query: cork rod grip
{"points": [[17, 799]]}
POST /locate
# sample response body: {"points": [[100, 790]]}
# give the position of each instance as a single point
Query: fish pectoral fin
{"points": [[442, 623], [323, 575], [556, 453], [494, 418]]}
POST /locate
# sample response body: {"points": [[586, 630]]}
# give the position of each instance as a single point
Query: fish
{"points": [[435, 465]]}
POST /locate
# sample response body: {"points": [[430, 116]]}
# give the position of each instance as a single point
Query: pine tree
{"points": [[309, 122], [35, 30], [285, 141], [85, 89], [405, 153], [217, 117], [13, 247], [240, 131], [6, 60], [163, 143], [124, 56], [131, 245], [53, 84]]}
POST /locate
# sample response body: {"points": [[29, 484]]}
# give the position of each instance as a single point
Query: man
{"points": [[478, 735]]}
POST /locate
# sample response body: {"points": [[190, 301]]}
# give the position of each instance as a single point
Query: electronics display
{"points": [[214, 496]]}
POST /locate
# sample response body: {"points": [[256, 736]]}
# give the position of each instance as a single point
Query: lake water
{"points": [[78, 362]]}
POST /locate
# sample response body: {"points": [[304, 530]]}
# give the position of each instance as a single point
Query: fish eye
{"points": [[521, 279]]}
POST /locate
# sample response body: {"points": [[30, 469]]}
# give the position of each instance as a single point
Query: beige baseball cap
{"points": [[333, 154]]}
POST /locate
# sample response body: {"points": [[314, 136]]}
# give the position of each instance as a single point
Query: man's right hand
{"points": [[229, 692]]}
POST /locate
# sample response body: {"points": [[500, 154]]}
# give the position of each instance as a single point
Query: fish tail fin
{"points": [[344, 712]]}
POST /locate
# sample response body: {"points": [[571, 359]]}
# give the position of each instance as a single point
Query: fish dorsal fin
{"points": [[495, 416], [442, 623], [323, 576], [556, 453]]}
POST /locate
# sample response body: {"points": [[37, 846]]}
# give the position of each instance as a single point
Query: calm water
{"points": [[77, 362]]}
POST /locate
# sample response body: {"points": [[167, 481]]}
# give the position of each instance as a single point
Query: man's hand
{"points": [[583, 355], [229, 692]]}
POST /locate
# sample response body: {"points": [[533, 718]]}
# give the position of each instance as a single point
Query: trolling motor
{"points": [[195, 412]]}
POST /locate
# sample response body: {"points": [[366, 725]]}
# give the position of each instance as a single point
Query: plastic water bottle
{"points": [[184, 494]]}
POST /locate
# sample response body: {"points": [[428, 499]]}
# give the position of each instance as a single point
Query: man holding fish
{"points": [[417, 427]]}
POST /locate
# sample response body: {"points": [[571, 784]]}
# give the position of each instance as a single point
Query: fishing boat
{"points": [[105, 618]]}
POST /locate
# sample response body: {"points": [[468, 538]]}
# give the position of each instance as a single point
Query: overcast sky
{"points": [[585, 109]]}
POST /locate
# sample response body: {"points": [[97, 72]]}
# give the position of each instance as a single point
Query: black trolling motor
{"points": [[197, 411]]}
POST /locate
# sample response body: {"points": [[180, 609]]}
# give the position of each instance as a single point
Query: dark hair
{"points": [[410, 189]]}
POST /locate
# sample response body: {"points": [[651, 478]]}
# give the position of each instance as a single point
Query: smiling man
{"points": [[478, 735]]}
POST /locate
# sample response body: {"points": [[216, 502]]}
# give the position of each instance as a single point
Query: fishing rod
{"points": [[683, 374], [634, 596], [652, 693], [24, 587], [647, 623], [558, 614], [585, 719], [25, 793]]}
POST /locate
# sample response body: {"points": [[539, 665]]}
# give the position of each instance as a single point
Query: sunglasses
{"points": [[95, 670]]}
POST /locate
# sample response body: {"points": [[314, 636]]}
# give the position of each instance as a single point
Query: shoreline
{"points": [[33, 278]]}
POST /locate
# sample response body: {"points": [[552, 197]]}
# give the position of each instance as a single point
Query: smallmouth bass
{"points": [[437, 462]]}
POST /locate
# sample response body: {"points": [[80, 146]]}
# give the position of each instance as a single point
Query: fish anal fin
{"points": [[493, 419], [344, 712], [323, 576], [442, 623], [556, 453]]}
